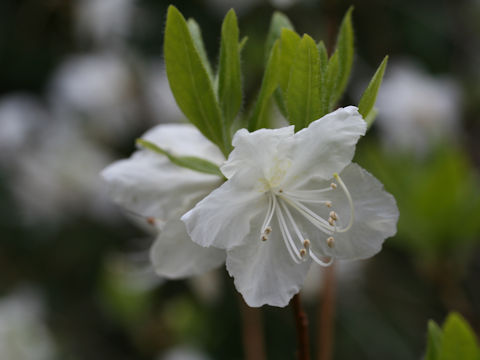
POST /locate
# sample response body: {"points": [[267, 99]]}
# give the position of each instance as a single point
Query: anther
{"points": [[331, 221], [333, 186], [330, 242], [303, 252], [264, 238], [328, 204], [306, 243], [151, 220], [267, 230], [333, 215], [280, 191]]}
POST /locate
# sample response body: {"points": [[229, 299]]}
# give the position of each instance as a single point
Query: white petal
{"points": [[223, 218], [326, 146], [174, 255], [264, 272], [148, 184], [184, 140], [259, 151], [376, 216]]}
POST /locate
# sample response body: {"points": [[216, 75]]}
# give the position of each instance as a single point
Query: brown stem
{"points": [[326, 314], [253, 342], [301, 322]]}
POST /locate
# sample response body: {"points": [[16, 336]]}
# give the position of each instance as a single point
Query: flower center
{"points": [[280, 202]]}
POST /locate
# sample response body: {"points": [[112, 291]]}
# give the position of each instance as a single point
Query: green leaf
{"points": [[331, 79], [459, 341], [367, 102], [196, 33], [345, 50], [189, 162], [279, 21], [303, 91], [434, 341], [229, 73], [260, 115], [322, 50], [242, 43], [289, 42], [189, 80]]}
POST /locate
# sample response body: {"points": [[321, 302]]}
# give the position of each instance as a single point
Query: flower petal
{"points": [[223, 218], [326, 146], [376, 216], [148, 184], [264, 272], [258, 151], [184, 140], [174, 255]]}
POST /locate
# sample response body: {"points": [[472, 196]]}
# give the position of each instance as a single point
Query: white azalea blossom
{"points": [[149, 185], [291, 198]]}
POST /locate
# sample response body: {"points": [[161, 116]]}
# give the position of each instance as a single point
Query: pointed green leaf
{"points": [[303, 91], [434, 341], [322, 50], [331, 79], [345, 48], [289, 42], [189, 162], [260, 115], [242, 43], [189, 80], [279, 21], [229, 76], [365, 106], [196, 33], [459, 341]]}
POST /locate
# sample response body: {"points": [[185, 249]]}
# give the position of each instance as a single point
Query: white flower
{"points": [[284, 204], [417, 109], [149, 185]]}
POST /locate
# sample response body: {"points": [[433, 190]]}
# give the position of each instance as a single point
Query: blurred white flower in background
{"points": [[159, 98], [105, 22], [98, 90], [22, 117], [23, 332], [184, 353], [416, 109], [59, 177]]}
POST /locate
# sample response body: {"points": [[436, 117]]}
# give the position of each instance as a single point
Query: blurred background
{"points": [[81, 79]]}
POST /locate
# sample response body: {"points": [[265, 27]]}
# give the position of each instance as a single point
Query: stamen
{"points": [[151, 220], [333, 186], [306, 244], [331, 221], [264, 237], [328, 204], [266, 228], [330, 242], [320, 262], [287, 238], [303, 252], [333, 215], [350, 202], [314, 219]]}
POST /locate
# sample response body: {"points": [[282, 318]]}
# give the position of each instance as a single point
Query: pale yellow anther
{"points": [[264, 238], [333, 185], [331, 242], [267, 230], [331, 221], [333, 215], [306, 243], [328, 203], [303, 252]]}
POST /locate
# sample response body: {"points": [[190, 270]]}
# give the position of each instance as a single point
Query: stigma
{"points": [[286, 205]]}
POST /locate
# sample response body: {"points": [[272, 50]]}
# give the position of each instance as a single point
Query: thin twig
{"points": [[253, 341], [301, 322], [326, 323]]}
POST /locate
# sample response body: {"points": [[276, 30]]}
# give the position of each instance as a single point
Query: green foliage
{"points": [[189, 162], [455, 341], [367, 102], [196, 33], [189, 80], [229, 73], [303, 91], [345, 49], [260, 115], [438, 198], [277, 24]]}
